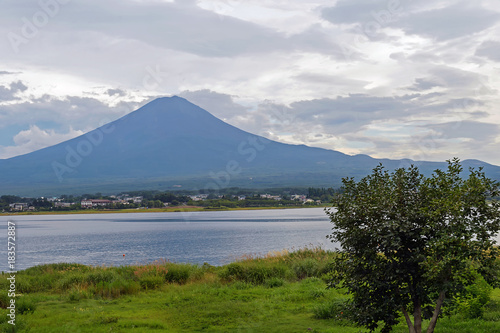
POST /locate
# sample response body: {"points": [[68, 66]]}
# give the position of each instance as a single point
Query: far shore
{"points": [[176, 209]]}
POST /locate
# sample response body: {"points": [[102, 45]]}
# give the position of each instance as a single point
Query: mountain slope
{"points": [[172, 141]]}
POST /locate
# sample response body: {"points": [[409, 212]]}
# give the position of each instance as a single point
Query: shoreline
{"points": [[177, 209]]}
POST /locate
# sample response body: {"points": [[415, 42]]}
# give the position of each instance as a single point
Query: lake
{"points": [[215, 237]]}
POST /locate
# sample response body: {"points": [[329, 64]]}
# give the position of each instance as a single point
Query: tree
{"points": [[408, 243]]}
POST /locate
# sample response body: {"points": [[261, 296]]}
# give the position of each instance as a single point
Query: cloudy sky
{"points": [[392, 78]]}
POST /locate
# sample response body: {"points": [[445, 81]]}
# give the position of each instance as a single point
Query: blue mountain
{"points": [[172, 142]]}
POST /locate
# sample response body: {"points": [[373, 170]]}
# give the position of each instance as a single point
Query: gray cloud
{"points": [[9, 93], [118, 92], [437, 20], [350, 114], [175, 26], [220, 105], [478, 131], [81, 113], [458, 20], [353, 11], [457, 78], [422, 84], [490, 50], [178, 26], [315, 39], [325, 79]]}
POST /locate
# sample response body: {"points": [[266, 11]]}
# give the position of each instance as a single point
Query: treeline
{"points": [[234, 202], [324, 194], [230, 197], [6, 200]]}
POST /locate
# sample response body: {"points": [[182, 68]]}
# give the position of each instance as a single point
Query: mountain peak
{"points": [[169, 100], [172, 141], [171, 105]]}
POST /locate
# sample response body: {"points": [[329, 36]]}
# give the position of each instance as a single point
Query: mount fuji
{"points": [[171, 143]]}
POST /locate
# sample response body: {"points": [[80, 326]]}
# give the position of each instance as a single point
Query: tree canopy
{"points": [[409, 243]]}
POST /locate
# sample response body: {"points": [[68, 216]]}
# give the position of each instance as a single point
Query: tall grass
{"points": [[112, 282], [252, 290]]}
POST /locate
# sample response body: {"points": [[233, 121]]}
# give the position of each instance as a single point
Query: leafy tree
{"points": [[170, 197], [410, 242], [323, 194], [154, 204], [42, 203], [9, 199]]}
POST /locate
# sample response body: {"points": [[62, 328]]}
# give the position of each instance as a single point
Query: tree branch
{"points": [[408, 320], [434, 319]]}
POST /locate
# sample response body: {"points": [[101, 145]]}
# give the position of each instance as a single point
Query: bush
{"points": [[178, 273], [151, 282], [23, 284], [115, 289], [308, 267], [71, 280], [5, 327], [43, 282], [76, 295], [25, 305], [317, 293], [471, 303], [126, 272], [233, 271], [4, 299], [98, 276], [3, 316], [255, 272], [157, 268], [274, 282], [57, 267]]}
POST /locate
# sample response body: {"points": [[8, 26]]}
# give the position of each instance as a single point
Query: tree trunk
{"points": [[408, 321], [434, 319], [417, 316]]}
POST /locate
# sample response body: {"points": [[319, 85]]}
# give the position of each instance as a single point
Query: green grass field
{"points": [[283, 292]]}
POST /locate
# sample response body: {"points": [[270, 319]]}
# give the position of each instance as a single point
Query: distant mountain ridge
{"points": [[171, 141]]}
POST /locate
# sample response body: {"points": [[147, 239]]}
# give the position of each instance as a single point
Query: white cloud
{"points": [[35, 138]]}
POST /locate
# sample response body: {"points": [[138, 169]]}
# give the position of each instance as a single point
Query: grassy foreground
{"points": [[282, 292]]}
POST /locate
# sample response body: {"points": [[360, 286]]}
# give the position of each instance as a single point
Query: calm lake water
{"points": [[195, 237]]}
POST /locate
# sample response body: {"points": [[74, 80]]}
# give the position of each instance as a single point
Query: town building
{"points": [[91, 203]]}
